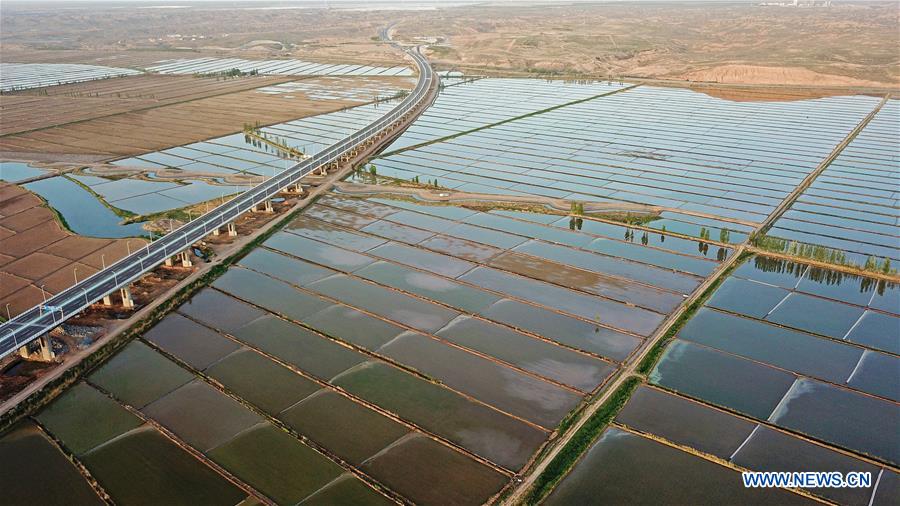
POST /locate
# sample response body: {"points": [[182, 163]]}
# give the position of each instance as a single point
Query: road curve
{"points": [[37, 321]]}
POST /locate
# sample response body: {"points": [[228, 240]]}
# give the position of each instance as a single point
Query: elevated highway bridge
{"points": [[36, 322]]}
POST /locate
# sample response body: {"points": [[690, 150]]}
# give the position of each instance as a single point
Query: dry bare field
{"points": [[111, 126], [58, 105], [35, 250]]}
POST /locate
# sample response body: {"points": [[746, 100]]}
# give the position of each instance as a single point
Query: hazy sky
{"points": [[338, 2]]}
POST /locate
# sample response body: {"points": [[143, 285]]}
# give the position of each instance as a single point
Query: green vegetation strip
{"points": [[653, 355], [820, 253], [51, 390], [580, 442]]}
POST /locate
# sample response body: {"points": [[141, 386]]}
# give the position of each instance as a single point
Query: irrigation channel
{"points": [[37, 321]]}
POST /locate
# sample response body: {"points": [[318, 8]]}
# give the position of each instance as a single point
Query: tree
{"points": [[724, 235], [870, 263]]}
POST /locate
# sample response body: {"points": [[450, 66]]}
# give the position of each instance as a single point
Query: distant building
{"points": [[797, 3]]}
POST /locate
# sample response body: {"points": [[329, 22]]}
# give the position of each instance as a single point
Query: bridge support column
{"points": [[232, 229], [186, 259], [46, 348], [107, 300], [267, 206], [127, 301], [216, 231], [23, 352], [169, 262]]}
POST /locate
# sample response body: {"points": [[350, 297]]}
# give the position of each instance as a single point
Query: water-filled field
{"points": [[22, 76], [712, 164], [272, 67], [387, 341], [379, 347], [75, 196], [799, 335], [777, 372], [82, 212], [218, 158], [14, 172], [854, 206]]}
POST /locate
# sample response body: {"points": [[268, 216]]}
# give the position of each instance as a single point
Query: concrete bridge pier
{"points": [[216, 231], [186, 259], [127, 301], [169, 262], [24, 352], [267, 206], [294, 188], [46, 348], [107, 300], [232, 229]]}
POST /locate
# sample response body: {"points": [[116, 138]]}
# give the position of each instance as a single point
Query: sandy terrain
{"points": [[206, 29], [849, 43], [845, 44], [35, 250], [754, 74]]}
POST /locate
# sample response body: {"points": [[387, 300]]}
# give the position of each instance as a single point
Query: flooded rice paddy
{"points": [[767, 376], [854, 206], [272, 67], [93, 202], [23, 76], [649, 472], [328, 88], [379, 344], [36, 455], [239, 154], [214, 160], [14, 172], [716, 167], [380, 349], [82, 212]]}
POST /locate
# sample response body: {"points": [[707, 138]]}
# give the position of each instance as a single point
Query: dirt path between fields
{"points": [[441, 195]]}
